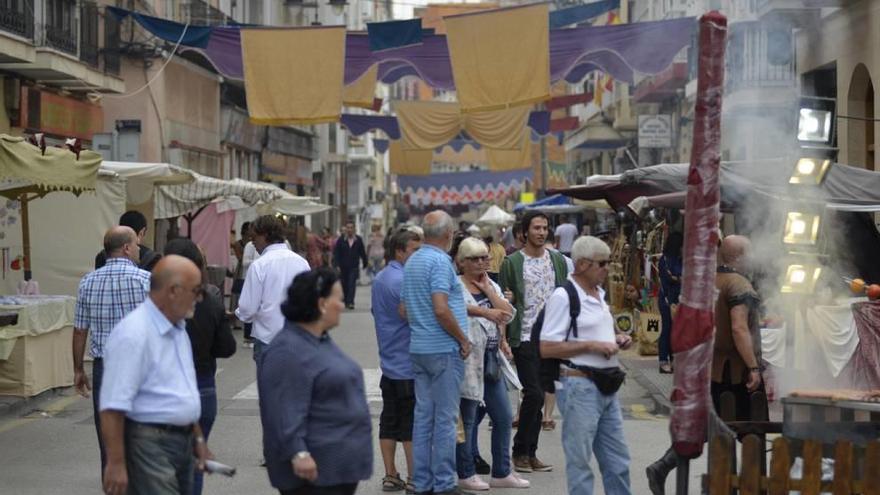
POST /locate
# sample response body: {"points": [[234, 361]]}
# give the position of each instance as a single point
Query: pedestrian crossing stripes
{"points": [[371, 385]]}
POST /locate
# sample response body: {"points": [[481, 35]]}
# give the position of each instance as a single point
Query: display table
{"points": [[35, 352]]}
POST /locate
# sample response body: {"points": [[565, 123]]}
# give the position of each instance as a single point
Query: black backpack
{"points": [[574, 310]]}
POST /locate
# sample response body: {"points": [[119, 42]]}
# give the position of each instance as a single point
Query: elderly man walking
{"points": [[104, 297], [437, 315], [150, 402], [393, 336], [590, 374]]}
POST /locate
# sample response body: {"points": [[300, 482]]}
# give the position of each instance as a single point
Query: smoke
{"points": [[759, 130]]}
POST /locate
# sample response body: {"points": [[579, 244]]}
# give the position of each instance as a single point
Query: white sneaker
{"points": [[473, 483], [511, 481]]}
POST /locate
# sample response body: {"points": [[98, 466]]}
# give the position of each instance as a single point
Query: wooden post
{"points": [[780, 467], [871, 484], [25, 235], [719, 470], [750, 475], [811, 480], [843, 468]]}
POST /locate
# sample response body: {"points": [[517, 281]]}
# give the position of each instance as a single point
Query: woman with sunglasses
{"points": [[211, 337], [488, 313], [316, 422]]}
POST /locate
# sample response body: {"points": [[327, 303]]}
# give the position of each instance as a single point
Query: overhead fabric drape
{"points": [[409, 162], [294, 76], [580, 13], [170, 31], [462, 187], [513, 159], [394, 34], [361, 92], [500, 58], [430, 124], [362, 124]]}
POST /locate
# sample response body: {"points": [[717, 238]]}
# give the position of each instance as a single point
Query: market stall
{"points": [[35, 331]]}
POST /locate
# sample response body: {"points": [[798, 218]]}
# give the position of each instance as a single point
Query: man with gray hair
{"points": [[590, 373], [434, 305]]}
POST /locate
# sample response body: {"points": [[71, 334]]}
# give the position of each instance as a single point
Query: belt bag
{"points": [[607, 380]]}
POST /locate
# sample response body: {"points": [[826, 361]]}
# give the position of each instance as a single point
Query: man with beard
{"points": [[532, 274]]}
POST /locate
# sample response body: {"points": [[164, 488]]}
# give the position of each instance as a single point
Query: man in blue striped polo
{"points": [[437, 315]]}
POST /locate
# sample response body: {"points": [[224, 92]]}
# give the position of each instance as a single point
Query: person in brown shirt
{"points": [[736, 357]]}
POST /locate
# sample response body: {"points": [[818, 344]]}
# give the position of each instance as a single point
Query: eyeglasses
{"points": [[602, 264], [197, 291], [478, 258]]}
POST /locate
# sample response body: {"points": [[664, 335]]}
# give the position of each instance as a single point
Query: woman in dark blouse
{"points": [[317, 435]]}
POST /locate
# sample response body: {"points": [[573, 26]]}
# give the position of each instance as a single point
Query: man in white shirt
{"points": [[266, 283], [565, 234], [590, 374]]}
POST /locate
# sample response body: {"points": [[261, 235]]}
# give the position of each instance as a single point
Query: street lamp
{"points": [[802, 229], [816, 118]]}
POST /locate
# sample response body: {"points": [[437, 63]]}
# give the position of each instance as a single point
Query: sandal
{"points": [[665, 368], [393, 483], [410, 488], [548, 425]]}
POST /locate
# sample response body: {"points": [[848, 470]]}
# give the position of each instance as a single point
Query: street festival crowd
{"points": [[453, 317]]}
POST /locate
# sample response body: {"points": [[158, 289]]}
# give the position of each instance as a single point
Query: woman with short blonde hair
{"points": [[488, 314]]}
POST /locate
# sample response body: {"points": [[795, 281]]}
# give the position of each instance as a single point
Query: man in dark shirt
{"points": [[138, 223], [348, 251]]}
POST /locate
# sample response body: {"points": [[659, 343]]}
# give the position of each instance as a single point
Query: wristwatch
{"points": [[301, 455]]}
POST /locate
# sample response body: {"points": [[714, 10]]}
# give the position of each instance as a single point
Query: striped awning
{"points": [[173, 201]]}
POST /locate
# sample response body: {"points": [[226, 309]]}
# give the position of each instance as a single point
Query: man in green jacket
{"points": [[531, 274]]}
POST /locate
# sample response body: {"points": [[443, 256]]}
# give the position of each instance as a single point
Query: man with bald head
{"points": [[437, 316], [105, 296], [736, 360], [150, 403]]}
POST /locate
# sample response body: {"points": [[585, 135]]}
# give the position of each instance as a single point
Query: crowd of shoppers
{"points": [[451, 312]]}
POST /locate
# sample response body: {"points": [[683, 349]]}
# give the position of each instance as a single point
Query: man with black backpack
{"points": [[531, 274], [577, 329]]}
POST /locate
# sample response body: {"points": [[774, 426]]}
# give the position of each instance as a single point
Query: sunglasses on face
{"points": [[602, 264], [478, 258]]}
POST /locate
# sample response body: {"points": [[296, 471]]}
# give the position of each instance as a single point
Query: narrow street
{"points": [[50, 447]]}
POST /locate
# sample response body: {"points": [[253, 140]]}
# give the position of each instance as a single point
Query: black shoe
{"points": [[658, 472], [454, 491], [482, 466]]}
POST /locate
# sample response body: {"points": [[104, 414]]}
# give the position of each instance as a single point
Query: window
{"points": [[61, 25]]}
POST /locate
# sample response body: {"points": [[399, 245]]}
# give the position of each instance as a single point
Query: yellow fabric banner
{"points": [[294, 76], [425, 125], [500, 58], [409, 162], [502, 160], [361, 92], [57, 169]]}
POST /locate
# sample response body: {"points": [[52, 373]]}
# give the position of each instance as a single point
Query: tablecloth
{"points": [[36, 315]]}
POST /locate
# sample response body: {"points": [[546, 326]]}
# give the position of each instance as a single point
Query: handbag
{"points": [[491, 367]]}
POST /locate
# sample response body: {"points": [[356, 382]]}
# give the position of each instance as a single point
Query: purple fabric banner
{"points": [[362, 124], [620, 50]]}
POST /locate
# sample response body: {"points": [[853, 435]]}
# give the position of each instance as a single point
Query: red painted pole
{"points": [[694, 326]]}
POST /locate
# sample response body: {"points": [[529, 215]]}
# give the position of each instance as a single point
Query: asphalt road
{"points": [[50, 446]]}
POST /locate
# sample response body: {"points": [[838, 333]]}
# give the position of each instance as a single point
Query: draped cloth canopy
{"points": [[619, 50], [409, 162], [500, 58], [294, 76], [360, 93], [430, 124]]}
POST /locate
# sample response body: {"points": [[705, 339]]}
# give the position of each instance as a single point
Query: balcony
{"points": [[798, 13], [17, 17], [61, 45], [664, 85], [200, 13]]}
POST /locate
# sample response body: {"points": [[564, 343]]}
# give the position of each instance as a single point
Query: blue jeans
{"points": [[498, 408], [208, 393], [437, 381], [158, 462], [592, 423]]}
